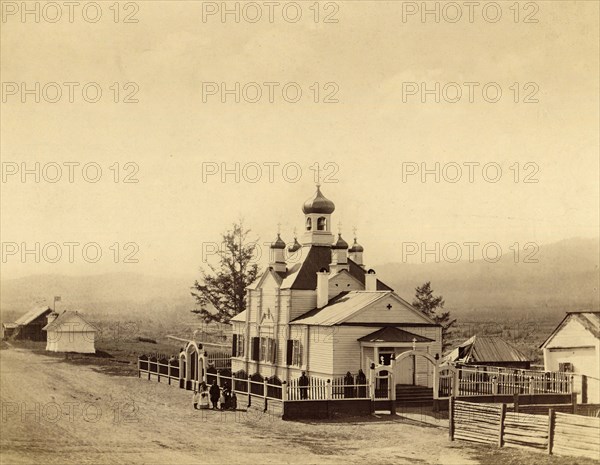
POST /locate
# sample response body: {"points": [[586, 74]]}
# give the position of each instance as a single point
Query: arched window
{"points": [[308, 224], [322, 224]]}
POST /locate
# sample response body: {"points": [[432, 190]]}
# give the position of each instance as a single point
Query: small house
{"points": [[574, 347], [490, 351], [29, 326], [70, 332]]}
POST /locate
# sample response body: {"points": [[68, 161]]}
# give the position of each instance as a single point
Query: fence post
{"points": [[501, 429], [531, 385], [573, 402], [249, 393], [456, 383], [139, 368], [169, 372], [451, 408], [516, 402], [550, 430], [284, 391], [265, 394], [219, 378], [494, 385], [328, 393]]}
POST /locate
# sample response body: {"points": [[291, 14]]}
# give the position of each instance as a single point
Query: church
{"points": [[327, 313]]}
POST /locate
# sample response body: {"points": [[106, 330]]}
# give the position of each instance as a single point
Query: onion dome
{"points": [[278, 244], [340, 244], [295, 246], [356, 247], [318, 204]]}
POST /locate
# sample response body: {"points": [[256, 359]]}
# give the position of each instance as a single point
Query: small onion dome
{"points": [[295, 246], [318, 204], [278, 244], [356, 247], [340, 244]]}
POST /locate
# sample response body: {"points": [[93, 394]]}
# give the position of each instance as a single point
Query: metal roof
{"points": [[486, 349], [340, 308], [32, 315], [393, 334]]}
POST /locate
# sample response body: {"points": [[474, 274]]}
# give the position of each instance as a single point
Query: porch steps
{"points": [[407, 394]]}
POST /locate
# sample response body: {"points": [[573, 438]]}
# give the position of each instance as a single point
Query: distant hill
{"points": [[566, 278], [113, 293]]}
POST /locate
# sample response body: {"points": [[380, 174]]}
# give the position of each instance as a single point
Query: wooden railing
{"points": [[476, 380], [325, 389]]}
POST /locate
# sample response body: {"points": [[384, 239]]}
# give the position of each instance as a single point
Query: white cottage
{"points": [[574, 346], [70, 332], [325, 314]]}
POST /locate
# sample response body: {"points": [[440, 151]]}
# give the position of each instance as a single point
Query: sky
{"points": [[180, 159]]}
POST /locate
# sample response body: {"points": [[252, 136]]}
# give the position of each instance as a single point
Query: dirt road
{"points": [[58, 413]]}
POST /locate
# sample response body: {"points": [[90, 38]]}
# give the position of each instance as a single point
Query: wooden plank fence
{"points": [[324, 389], [556, 432]]}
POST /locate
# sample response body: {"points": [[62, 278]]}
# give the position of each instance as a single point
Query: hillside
{"points": [[566, 277]]}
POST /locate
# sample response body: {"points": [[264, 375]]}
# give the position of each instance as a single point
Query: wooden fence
{"points": [[476, 380], [326, 389], [556, 432]]}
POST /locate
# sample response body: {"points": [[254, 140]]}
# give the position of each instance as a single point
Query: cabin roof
{"points": [[486, 349], [589, 320], [58, 323], [393, 334], [32, 315]]}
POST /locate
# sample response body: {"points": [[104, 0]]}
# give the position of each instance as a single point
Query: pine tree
{"points": [[221, 292], [429, 305]]}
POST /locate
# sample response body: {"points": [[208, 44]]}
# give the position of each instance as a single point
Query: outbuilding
{"points": [[70, 332], [29, 326], [574, 347], [490, 351]]}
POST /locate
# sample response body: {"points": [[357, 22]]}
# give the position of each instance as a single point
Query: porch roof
{"points": [[393, 334]]}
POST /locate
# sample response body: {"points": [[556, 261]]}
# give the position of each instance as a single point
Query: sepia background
{"points": [[368, 138]]}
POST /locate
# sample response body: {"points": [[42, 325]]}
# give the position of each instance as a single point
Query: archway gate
{"points": [[384, 378]]}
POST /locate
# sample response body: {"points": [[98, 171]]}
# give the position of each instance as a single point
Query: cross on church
{"points": [[389, 306], [339, 227], [278, 228]]}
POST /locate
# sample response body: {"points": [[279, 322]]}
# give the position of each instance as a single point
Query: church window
{"points": [[308, 224], [322, 224], [268, 352], [294, 353]]}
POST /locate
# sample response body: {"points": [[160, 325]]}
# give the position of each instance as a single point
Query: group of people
{"points": [[225, 398]]}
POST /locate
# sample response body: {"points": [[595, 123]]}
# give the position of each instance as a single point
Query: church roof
{"points": [[340, 308], [393, 334], [303, 275]]}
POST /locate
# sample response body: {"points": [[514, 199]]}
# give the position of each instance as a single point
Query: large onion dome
{"points": [[318, 204]]}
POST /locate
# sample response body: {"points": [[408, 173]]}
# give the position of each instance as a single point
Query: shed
{"points": [[28, 326], [488, 350], [70, 332], [574, 346]]}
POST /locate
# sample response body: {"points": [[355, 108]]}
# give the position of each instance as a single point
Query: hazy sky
{"points": [[372, 60]]}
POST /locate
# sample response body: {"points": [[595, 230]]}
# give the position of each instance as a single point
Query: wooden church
{"points": [[327, 314]]}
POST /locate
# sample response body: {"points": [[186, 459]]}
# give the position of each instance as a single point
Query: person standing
{"points": [[303, 383], [195, 400], [204, 398], [215, 393]]}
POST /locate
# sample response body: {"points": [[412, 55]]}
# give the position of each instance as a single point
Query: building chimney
{"points": [[370, 281], [51, 316], [322, 288]]}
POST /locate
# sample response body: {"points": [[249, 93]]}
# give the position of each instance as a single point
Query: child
{"points": [[195, 400]]}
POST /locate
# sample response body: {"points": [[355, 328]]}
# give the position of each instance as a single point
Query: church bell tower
{"points": [[317, 220]]}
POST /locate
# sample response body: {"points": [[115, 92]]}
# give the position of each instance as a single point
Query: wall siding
{"points": [[302, 302], [343, 282], [320, 348]]}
